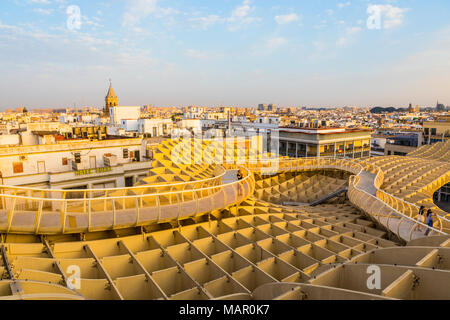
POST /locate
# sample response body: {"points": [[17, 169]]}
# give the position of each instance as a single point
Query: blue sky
{"points": [[224, 52]]}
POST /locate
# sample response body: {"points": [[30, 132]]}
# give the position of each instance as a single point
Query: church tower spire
{"points": [[111, 99]]}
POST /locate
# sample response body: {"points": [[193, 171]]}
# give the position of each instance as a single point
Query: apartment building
{"points": [[76, 164], [155, 127], [400, 144], [240, 126], [324, 142], [437, 130]]}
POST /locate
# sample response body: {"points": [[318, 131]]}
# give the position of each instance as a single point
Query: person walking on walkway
{"points": [[429, 221], [240, 176], [421, 217]]}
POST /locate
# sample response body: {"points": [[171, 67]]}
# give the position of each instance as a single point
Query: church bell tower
{"points": [[111, 99]]}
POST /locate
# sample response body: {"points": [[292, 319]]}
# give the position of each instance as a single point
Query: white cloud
{"points": [[10, 28], [240, 16], [241, 11], [195, 54], [348, 37], [41, 1], [137, 10], [140, 9], [275, 43], [268, 46], [43, 11], [344, 4], [433, 59], [91, 22], [207, 21], [353, 30], [284, 19], [322, 24], [202, 55]]}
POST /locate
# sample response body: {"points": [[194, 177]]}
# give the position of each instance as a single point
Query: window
{"points": [[18, 167], [433, 131], [64, 161], [77, 157], [129, 181], [125, 153]]}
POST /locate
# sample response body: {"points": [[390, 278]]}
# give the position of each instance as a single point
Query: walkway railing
{"points": [[48, 211], [220, 171], [409, 209], [377, 205], [36, 212]]}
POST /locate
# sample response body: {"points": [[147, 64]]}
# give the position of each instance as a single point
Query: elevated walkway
{"points": [[52, 212], [35, 211], [366, 196], [367, 182]]}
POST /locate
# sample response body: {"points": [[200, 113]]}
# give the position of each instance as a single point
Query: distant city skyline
{"points": [[57, 53]]}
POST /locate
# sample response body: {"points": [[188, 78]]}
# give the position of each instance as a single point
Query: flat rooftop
{"points": [[71, 144], [321, 131]]}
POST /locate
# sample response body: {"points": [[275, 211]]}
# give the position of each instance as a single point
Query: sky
{"points": [[62, 53]]}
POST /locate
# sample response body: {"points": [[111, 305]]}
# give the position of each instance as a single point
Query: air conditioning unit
{"points": [[78, 166], [109, 160]]}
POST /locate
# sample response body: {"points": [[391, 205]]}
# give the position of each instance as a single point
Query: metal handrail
{"points": [[378, 182], [416, 223], [402, 200], [395, 210], [156, 185], [241, 189], [128, 196], [288, 163]]}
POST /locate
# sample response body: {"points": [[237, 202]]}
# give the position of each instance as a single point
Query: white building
{"points": [[45, 127], [262, 125], [119, 113], [67, 118], [75, 164], [130, 125], [191, 124], [155, 127], [194, 112], [9, 139]]}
